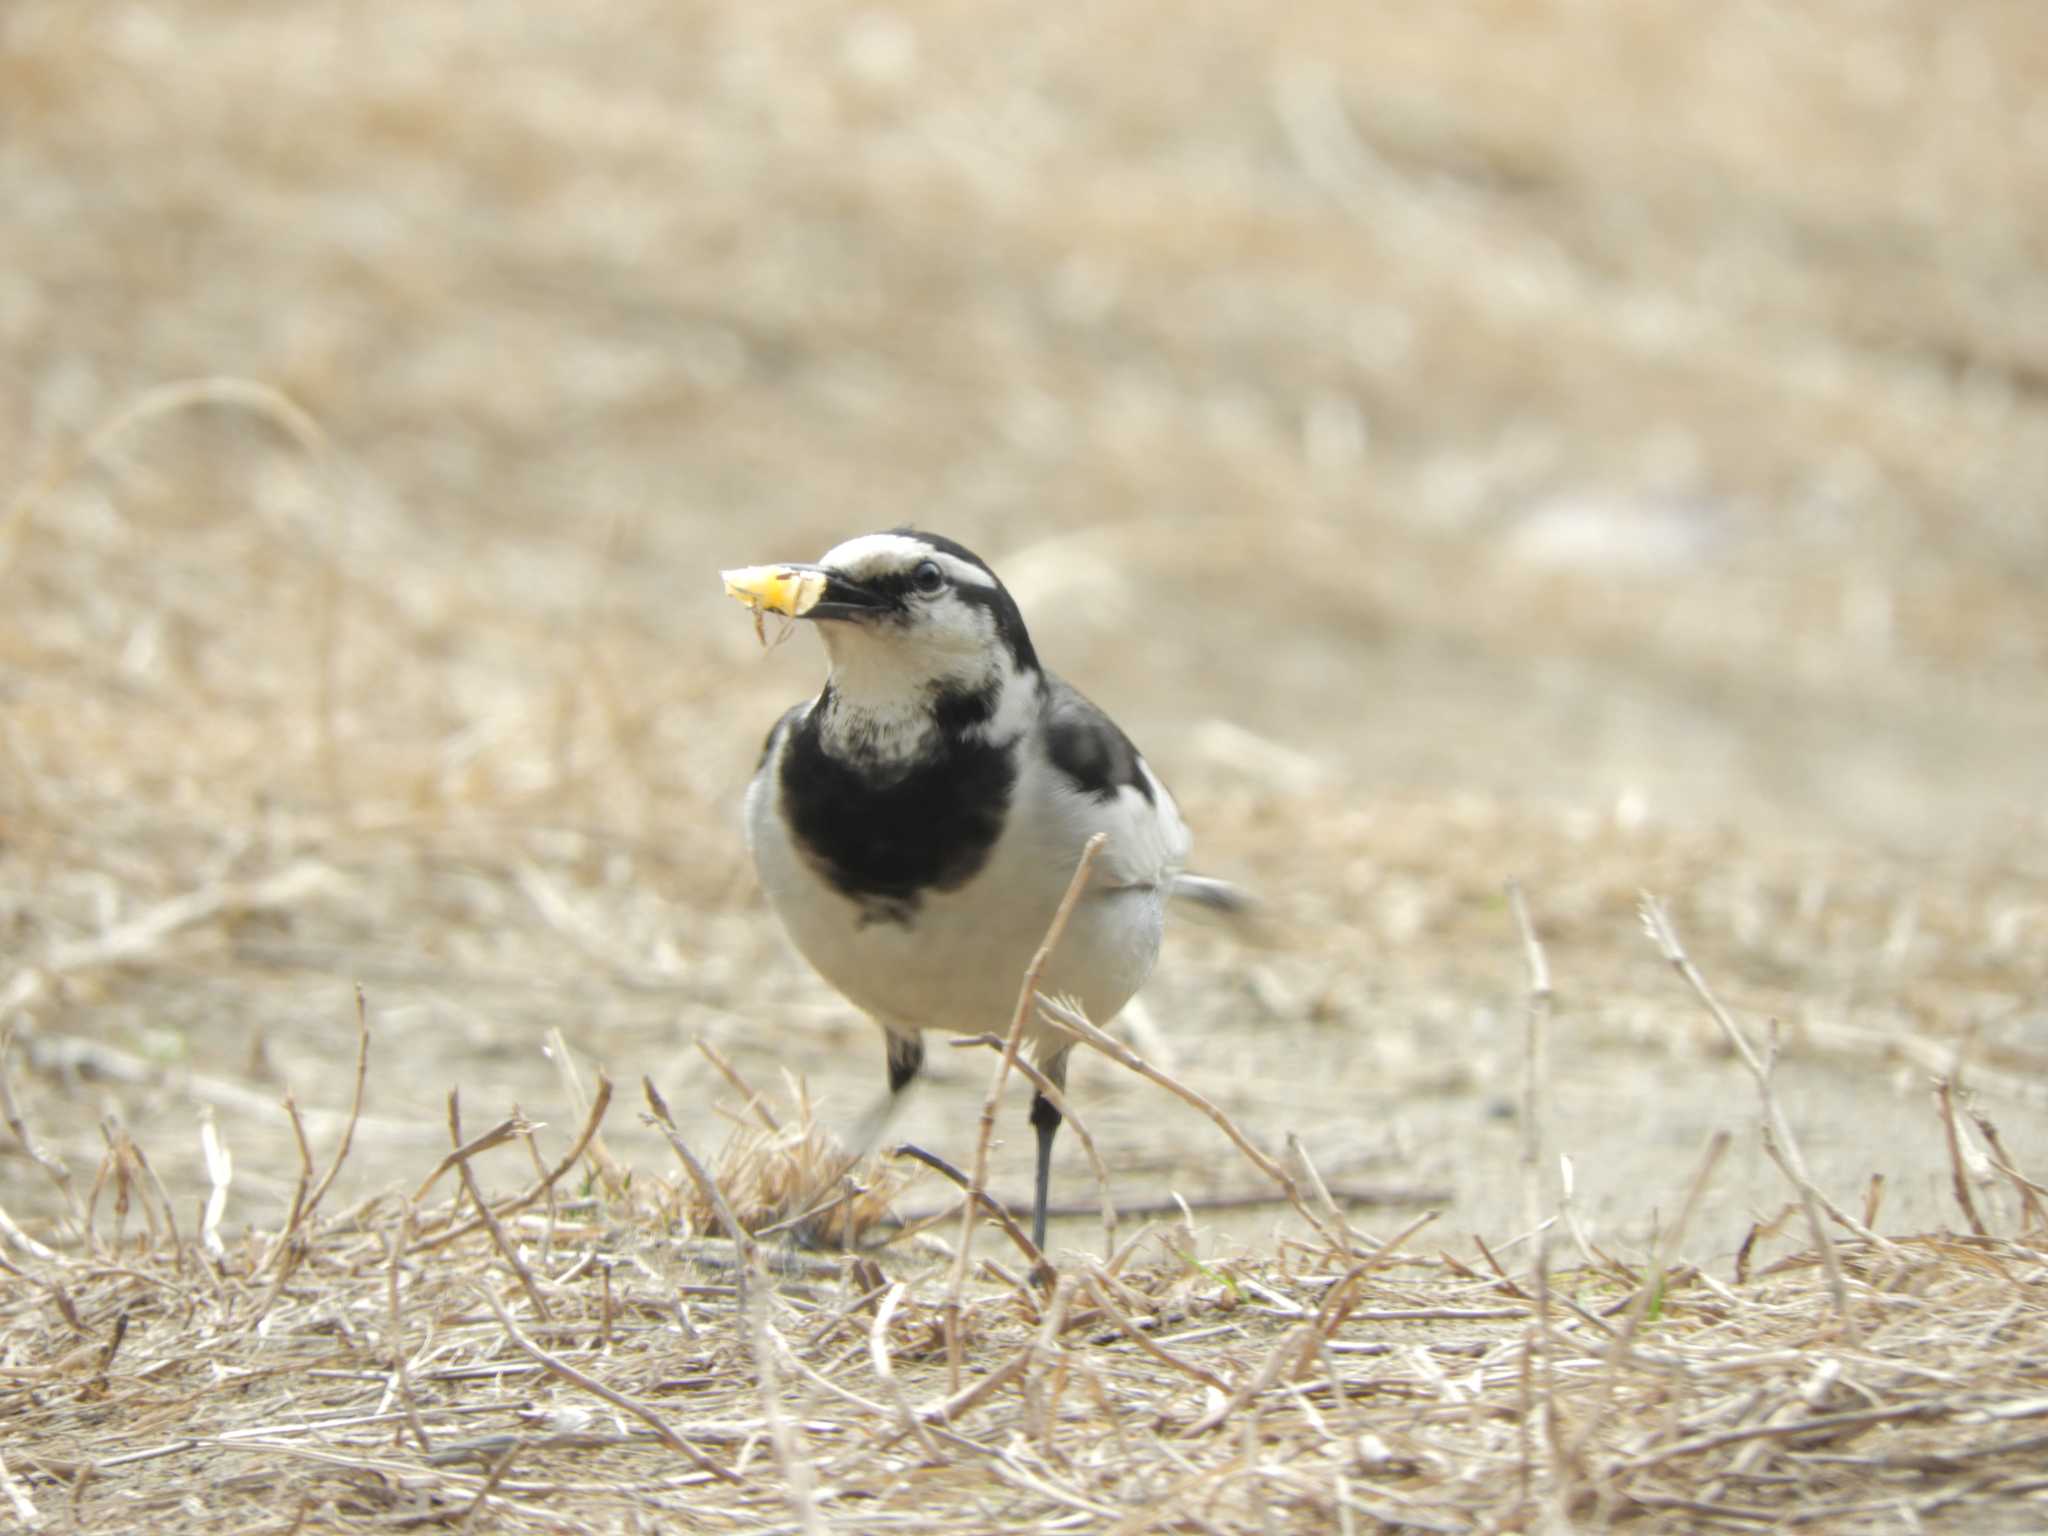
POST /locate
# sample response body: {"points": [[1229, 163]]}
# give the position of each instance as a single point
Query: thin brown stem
{"points": [[977, 1183], [1778, 1140]]}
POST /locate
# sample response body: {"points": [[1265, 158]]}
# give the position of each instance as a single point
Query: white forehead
{"points": [[877, 554]]}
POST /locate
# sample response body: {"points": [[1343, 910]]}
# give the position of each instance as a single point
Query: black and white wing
{"points": [[1105, 785]]}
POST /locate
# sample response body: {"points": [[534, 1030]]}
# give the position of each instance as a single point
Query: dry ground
{"points": [[1599, 444]]}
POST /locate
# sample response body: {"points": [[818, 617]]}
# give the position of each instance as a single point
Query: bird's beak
{"points": [[801, 592]]}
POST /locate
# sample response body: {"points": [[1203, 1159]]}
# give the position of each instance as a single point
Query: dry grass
{"points": [[585, 1353], [1599, 445]]}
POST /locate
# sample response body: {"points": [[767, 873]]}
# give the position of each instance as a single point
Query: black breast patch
{"points": [[884, 837], [1088, 747]]}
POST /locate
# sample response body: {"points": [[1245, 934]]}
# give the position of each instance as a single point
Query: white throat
{"points": [[883, 693]]}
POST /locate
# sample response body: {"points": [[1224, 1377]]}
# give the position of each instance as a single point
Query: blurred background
{"points": [[1599, 443]]}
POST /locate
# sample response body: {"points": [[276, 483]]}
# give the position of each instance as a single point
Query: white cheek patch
{"points": [[967, 626], [1017, 705]]}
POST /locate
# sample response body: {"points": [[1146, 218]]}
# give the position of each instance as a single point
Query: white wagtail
{"points": [[916, 824]]}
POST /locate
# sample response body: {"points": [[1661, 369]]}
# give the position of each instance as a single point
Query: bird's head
{"points": [[907, 618]]}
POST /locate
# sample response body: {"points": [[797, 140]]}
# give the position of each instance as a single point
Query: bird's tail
{"points": [[1219, 898]]}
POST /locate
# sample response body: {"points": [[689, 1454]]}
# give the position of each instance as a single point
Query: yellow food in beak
{"points": [[775, 589]]}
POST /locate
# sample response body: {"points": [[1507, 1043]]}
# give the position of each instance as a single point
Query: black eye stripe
{"points": [[926, 577], [897, 584]]}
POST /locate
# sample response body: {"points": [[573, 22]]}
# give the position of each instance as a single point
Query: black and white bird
{"points": [[916, 824]]}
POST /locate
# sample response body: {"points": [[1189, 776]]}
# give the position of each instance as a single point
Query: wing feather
{"points": [[1096, 765]]}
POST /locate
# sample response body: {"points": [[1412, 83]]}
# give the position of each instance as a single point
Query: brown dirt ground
{"points": [[1604, 445]]}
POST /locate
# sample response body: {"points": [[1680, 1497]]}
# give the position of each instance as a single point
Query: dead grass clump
{"points": [[569, 1354], [797, 1177], [392, 1366]]}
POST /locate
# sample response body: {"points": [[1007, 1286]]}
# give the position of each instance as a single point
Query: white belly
{"points": [[959, 962]]}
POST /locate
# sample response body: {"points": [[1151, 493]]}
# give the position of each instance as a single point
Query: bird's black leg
{"points": [[906, 1060], [1045, 1119]]}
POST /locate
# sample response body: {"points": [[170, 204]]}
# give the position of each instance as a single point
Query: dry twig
{"points": [[1070, 1120], [1959, 1173], [977, 1182], [1079, 1026], [586, 1141], [1778, 1139], [1538, 1381], [52, 1165], [612, 1395], [507, 1250]]}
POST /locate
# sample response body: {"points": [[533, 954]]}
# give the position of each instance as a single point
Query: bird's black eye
{"points": [[928, 578]]}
